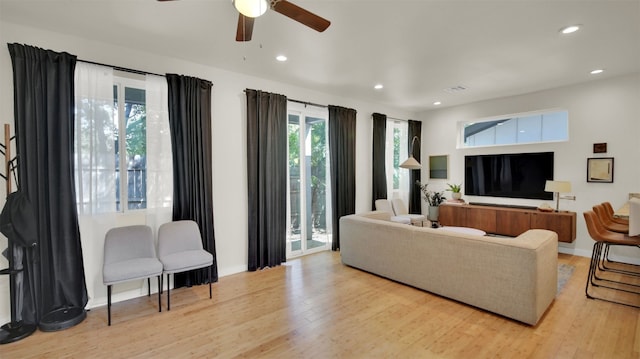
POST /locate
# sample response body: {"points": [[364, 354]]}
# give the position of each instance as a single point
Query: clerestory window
{"points": [[523, 128]]}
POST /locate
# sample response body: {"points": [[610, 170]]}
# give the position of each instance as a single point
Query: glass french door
{"points": [[308, 202]]}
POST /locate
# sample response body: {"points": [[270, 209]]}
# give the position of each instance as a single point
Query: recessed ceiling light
{"points": [[281, 58], [378, 87], [597, 71], [437, 103], [570, 29]]}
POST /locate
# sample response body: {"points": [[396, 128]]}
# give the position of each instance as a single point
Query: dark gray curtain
{"points": [[415, 129], [266, 178], [342, 150], [190, 123], [379, 176], [43, 83]]}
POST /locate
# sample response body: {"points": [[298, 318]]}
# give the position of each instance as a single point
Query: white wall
{"points": [[229, 146], [599, 111]]}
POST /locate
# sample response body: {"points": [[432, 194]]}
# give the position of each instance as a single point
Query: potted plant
{"points": [[455, 190], [434, 199]]}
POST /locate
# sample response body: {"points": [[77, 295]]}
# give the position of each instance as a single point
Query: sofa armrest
{"points": [[380, 215]]}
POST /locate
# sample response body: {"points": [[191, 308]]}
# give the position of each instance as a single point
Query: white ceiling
{"points": [[417, 49]]}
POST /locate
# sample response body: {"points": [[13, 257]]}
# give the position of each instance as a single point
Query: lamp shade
{"points": [[558, 186], [411, 164], [251, 8]]}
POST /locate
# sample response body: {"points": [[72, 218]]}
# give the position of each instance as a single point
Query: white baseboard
{"points": [[142, 291], [614, 255]]}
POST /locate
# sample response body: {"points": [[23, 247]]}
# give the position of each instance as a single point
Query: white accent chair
{"points": [[384, 205], [130, 254], [180, 249], [400, 210]]}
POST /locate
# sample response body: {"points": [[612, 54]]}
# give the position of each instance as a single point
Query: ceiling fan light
{"points": [[251, 8]]}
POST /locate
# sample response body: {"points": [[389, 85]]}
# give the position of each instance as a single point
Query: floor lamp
{"points": [[411, 162]]}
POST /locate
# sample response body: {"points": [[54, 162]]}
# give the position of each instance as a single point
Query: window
{"points": [[309, 201], [122, 141], [130, 135], [396, 148], [535, 127]]}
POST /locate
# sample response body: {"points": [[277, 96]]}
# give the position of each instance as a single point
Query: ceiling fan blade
{"points": [[245, 28], [301, 15]]}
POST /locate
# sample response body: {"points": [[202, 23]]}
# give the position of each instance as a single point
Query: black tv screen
{"points": [[514, 175]]}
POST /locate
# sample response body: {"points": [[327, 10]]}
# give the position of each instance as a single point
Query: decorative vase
{"points": [[434, 211], [456, 195]]}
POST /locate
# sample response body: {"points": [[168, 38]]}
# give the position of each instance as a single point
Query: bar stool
{"points": [[611, 213], [607, 220], [603, 238]]}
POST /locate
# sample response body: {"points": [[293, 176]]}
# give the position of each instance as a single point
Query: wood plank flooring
{"points": [[315, 307]]}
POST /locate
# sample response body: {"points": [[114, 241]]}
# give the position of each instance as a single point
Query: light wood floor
{"points": [[314, 307]]}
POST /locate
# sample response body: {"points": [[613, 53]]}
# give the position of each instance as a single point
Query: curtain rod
{"points": [[125, 69], [308, 103], [397, 119], [303, 102]]}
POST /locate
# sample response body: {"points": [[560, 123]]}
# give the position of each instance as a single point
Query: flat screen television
{"points": [[513, 175]]}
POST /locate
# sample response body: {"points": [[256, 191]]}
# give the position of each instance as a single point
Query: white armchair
{"points": [[384, 205], [400, 210]]}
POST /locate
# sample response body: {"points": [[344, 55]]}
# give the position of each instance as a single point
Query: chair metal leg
{"points": [[606, 260], [603, 249], [591, 268], [109, 304], [592, 277], [210, 281], [159, 294], [168, 291], [149, 286]]}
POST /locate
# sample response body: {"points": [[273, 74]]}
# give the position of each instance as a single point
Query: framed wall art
{"points": [[439, 167], [600, 147], [600, 170]]}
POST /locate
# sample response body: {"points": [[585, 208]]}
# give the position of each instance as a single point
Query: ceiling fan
{"points": [[251, 9]]}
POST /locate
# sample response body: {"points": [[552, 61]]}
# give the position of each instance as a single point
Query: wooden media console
{"points": [[508, 221]]}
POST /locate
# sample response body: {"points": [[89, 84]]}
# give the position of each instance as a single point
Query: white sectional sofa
{"points": [[513, 277]]}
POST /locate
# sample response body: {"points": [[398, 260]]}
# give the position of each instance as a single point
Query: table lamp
{"points": [[557, 187]]}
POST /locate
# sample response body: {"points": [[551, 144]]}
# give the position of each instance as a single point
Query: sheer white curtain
{"points": [[395, 153], [159, 160], [95, 158], [95, 161], [95, 168], [95, 141]]}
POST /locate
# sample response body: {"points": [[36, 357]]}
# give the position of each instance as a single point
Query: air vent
{"points": [[455, 89]]}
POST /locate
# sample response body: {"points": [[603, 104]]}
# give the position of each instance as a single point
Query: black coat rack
{"points": [[21, 239]]}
